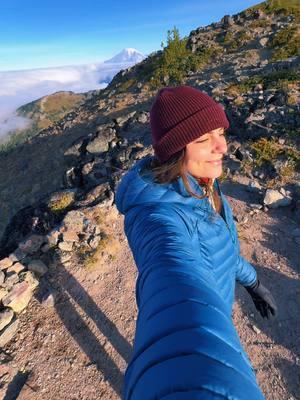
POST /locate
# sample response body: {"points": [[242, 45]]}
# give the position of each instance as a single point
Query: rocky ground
{"points": [[75, 338]]}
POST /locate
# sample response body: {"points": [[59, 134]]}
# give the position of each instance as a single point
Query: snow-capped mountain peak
{"points": [[128, 55]]}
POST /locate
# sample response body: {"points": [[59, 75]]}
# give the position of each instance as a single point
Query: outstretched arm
{"points": [[246, 275], [186, 346]]}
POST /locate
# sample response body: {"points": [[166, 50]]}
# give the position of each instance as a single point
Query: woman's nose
{"points": [[219, 144]]}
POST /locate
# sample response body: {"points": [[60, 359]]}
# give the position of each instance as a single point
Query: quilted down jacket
{"points": [[188, 260]]}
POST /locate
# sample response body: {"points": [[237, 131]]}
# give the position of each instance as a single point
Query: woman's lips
{"points": [[217, 162]]}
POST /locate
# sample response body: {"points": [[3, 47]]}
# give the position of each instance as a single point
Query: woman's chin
{"points": [[214, 173]]}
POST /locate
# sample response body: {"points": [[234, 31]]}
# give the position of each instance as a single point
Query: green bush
{"points": [[177, 60], [269, 150]]}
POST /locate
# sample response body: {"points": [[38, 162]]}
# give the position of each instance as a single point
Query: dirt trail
{"points": [[78, 348]]}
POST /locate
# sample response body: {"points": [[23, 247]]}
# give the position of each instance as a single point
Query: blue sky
{"points": [[44, 33]]}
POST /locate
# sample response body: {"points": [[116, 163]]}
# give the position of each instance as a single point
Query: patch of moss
{"points": [[216, 76], [241, 232], [268, 150], [259, 23], [292, 133], [223, 176], [286, 43], [127, 84], [91, 256], [107, 250], [277, 80], [287, 172], [246, 166], [239, 101], [60, 204], [60, 103], [234, 41], [279, 7]]}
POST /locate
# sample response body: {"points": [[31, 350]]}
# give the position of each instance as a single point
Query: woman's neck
{"points": [[205, 180]]}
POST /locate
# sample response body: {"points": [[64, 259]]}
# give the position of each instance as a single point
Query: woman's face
{"points": [[203, 156]]}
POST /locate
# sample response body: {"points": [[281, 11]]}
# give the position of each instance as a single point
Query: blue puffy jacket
{"points": [[188, 259]]}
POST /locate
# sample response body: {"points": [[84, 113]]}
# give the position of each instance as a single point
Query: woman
{"points": [[184, 241]]}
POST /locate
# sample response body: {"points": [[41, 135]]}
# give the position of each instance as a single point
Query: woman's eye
{"points": [[205, 140]]}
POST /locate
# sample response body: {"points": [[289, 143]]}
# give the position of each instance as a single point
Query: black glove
{"points": [[262, 299]]}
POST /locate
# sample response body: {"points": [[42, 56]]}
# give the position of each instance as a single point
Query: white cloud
{"points": [[12, 123], [21, 87]]}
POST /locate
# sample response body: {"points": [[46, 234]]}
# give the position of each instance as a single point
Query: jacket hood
{"points": [[135, 189]]}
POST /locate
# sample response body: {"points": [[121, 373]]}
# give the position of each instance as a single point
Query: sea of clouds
{"points": [[21, 87]]}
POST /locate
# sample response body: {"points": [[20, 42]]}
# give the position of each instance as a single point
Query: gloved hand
{"points": [[263, 299]]}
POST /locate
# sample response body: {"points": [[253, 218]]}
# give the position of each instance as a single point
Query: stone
{"points": [[70, 236], [32, 244], [100, 143], [143, 118], [60, 201], [8, 333], [5, 317], [282, 191], [49, 299], [74, 221], [253, 186], [2, 277], [65, 246], [17, 255], [53, 237], [38, 267], [17, 268], [46, 247], [11, 280], [30, 278], [273, 199], [256, 206], [94, 242], [263, 41], [19, 297], [227, 21], [256, 329], [65, 257], [3, 292], [5, 263]]}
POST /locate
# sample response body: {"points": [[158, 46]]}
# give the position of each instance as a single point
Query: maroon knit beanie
{"points": [[180, 115]]}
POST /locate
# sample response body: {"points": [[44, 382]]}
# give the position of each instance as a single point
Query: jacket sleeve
{"points": [[246, 274], [185, 345]]}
